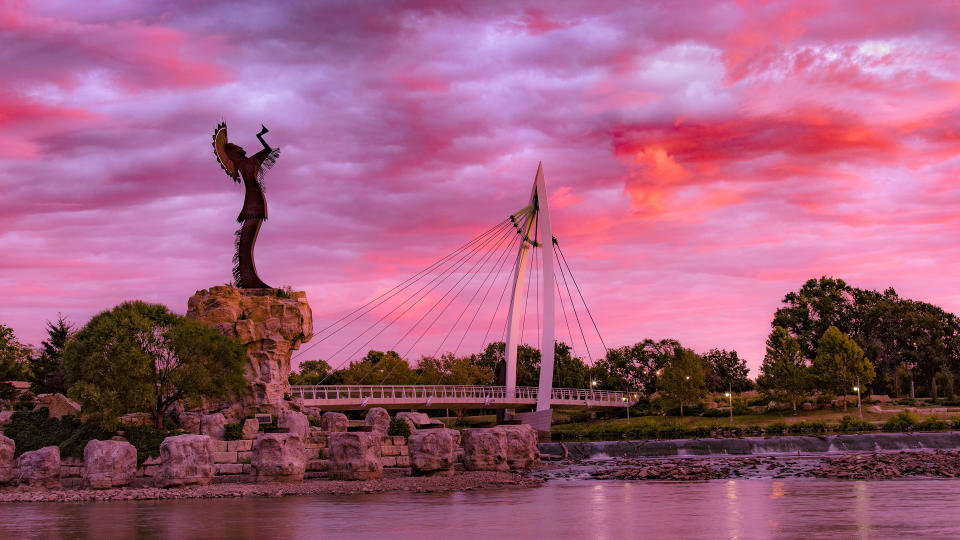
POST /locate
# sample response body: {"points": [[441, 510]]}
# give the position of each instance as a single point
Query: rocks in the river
{"points": [[7, 461], [432, 451], [185, 460], [485, 449], [279, 457], [355, 455], [379, 419], [108, 464], [334, 421], [40, 467], [213, 426], [58, 405], [294, 422], [251, 428], [522, 451]]}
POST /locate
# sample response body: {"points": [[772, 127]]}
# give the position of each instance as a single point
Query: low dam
{"points": [[802, 444]]}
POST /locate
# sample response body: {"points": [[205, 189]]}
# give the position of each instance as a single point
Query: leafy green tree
{"points": [[784, 374], [840, 363], [14, 357], [48, 365], [818, 305], [725, 370], [378, 367], [449, 369], [140, 357], [683, 378], [309, 373], [569, 371], [528, 361], [635, 367]]}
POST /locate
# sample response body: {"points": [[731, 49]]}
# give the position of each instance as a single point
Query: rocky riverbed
{"points": [[854, 466], [462, 481]]}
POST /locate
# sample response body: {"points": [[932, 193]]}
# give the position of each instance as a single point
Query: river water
{"points": [[763, 508]]}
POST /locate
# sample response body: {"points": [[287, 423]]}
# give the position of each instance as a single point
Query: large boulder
{"points": [[294, 422], [59, 405], [213, 426], [432, 451], [108, 464], [7, 461], [270, 323], [251, 428], [334, 421], [355, 455], [185, 460], [40, 467], [379, 419], [414, 419], [5, 418], [190, 421], [485, 449], [522, 451], [279, 457]]}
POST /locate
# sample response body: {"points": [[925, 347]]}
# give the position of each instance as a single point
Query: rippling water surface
{"points": [[790, 508]]}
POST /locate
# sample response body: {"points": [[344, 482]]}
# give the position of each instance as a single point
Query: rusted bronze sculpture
{"points": [[234, 161]]}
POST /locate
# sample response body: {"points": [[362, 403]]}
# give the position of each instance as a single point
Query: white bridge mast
{"points": [[539, 215]]}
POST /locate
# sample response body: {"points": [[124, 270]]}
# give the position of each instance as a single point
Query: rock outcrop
{"points": [[379, 419], [414, 419], [294, 422], [7, 461], [270, 323], [213, 426], [251, 428], [40, 467], [522, 451], [108, 464], [432, 452], [59, 405], [185, 460], [190, 421], [355, 455], [334, 421], [279, 457], [485, 449]]}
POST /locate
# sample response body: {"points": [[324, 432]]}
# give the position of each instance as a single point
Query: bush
{"points": [[902, 421], [398, 428], [825, 399], [233, 432], [932, 423], [314, 421], [808, 427], [716, 413], [147, 439], [777, 428], [906, 401], [34, 430], [850, 425]]}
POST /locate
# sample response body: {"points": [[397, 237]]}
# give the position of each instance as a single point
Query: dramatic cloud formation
{"points": [[704, 158]]}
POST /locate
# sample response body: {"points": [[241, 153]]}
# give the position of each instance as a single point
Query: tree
{"points": [[569, 371], [140, 357], [683, 379], [449, 369], [528, 361], [818, 305], [14, 356], [378, 367], [310, 373], [725, 370], [48, 365], [635, 367], [784, 373], [840, 363]]}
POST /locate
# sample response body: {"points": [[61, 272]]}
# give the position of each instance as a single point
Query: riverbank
{"points": [[461, 481]]}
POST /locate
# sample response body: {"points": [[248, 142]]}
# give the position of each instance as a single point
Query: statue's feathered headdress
{"points": [[220, 150]]}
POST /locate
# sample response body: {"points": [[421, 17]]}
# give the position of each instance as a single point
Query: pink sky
{"points": [[704, 158]]}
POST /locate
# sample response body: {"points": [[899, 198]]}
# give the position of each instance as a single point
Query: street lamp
{"points": [[859, 407], [730, 397]]}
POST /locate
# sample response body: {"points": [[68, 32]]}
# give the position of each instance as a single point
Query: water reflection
{"points": [[790, 508]]}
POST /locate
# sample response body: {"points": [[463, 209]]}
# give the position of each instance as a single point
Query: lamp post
{"points": [[730, 397], [859, 407]]}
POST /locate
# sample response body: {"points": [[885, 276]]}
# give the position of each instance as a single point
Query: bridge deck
{"points": [[340, 397]]}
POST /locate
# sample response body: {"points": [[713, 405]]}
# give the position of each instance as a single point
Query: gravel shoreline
{"points": [[852, 466], [462, 481]]}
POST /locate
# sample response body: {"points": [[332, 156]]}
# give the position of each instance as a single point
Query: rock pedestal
{"points": [[432, 451], [108, 464], [279, 457], [485, 449], [186, 460], [40, 467], [294, 422], [213, 426], [522, 452], [7, 462], [270, 323], [379, 419], [355, 455], [334, 421]]}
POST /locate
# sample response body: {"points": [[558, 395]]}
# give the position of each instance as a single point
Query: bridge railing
{"points": [[469, 393]]}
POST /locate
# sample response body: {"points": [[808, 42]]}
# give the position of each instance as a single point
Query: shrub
{"points": [[233, 432], [398, 428], [932, 423], [902, 421], [906, 401], [32, 430], [848, 424], [825, 399], [777, 428], [314, 421], [808, 427], [147, 439], [716, 413]]}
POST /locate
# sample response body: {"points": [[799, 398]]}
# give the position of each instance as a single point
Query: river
{"points": [[762, 508]]}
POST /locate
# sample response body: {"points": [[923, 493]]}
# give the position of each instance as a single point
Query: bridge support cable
{"points": [[573, 308], [397, 289], [582, 299], [425, 289], [566, 320]]}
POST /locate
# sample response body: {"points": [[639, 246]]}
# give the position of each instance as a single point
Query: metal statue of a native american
{"points": [[250, 170]]}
